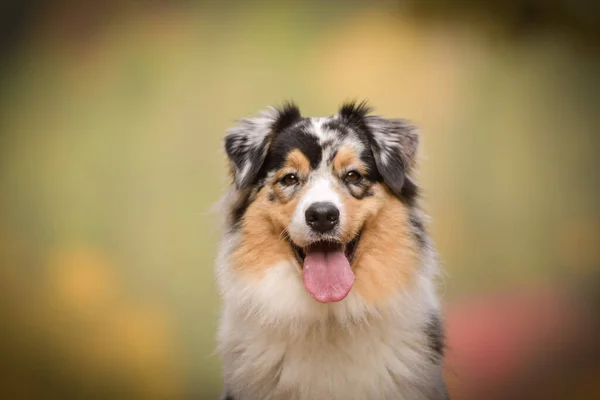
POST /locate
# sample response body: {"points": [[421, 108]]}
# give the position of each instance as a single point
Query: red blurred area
{"points": [[513, 345]]}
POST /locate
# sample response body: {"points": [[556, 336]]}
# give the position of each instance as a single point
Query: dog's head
{"points": [[328, 198]]}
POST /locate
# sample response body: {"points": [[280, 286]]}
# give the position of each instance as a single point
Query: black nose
{"points": [[322, 216]]}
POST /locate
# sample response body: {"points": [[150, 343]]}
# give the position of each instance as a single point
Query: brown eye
{"points": [[289, 180], [353, 177]]}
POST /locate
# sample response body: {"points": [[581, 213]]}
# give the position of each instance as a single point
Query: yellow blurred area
{"points": [[83, 280], [111, 121]]}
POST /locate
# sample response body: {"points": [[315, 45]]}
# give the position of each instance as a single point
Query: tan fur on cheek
{"points": [[263, 244], [357, 211], [387, 256]]}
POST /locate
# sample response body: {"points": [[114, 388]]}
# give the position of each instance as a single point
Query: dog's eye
{"points": [[289, 180], [353, 177]]}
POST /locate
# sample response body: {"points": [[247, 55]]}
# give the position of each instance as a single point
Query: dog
{"points": [[326, 272]]}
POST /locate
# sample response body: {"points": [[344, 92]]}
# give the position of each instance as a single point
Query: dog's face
{"points": [[328, 198]]}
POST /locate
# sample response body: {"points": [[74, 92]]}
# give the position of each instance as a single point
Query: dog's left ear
{"points": [[394, 144], [247, 144]]}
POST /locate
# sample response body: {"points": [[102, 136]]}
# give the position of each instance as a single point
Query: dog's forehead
{"points": [[318, 138]]}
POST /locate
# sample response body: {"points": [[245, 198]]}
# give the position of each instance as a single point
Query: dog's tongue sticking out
{"points": [[327, 274]]}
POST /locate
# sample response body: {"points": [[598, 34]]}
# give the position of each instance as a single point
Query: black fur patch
{"points": [[288, 140], [369, 160], [418, 229], [239, 210], [409, 192], [354, 114], [435, 335], [289, 113]]}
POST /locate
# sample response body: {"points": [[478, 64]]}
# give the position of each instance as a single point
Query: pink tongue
{"points": [[327, 275]]}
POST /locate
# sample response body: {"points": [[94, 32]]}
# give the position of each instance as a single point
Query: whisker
{"points": [[285, 235]]}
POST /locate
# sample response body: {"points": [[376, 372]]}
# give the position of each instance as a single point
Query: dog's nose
{"points": [[322, 216]]}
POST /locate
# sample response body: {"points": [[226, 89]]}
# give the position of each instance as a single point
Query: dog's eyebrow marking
{"points": [[297, 160], [347, 156]]}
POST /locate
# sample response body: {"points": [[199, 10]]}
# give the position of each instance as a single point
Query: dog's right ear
{"points": [[247, 144]]}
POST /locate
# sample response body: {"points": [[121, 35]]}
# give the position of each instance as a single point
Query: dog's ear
{"points": [[247, 144], [393, 142]]}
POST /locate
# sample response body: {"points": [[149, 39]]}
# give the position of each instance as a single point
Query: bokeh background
{"points": [[111, 120]]}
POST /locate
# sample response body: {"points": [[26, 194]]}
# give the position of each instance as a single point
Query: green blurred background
{"points": [[111, 120]]}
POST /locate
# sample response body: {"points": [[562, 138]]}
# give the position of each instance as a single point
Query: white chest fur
{"points": [[380, 357], [353, 366]]}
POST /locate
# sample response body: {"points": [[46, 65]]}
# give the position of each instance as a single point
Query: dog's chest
{"points": [[339, 365]]}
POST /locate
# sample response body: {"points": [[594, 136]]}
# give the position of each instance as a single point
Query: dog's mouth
{"points": [[326, 269], [349, 248]]}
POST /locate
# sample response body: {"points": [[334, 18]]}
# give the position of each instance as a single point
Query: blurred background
{"points": [[111, 120]]}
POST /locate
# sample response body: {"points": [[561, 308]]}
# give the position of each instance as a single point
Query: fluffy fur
{"points": [[385, 339]]}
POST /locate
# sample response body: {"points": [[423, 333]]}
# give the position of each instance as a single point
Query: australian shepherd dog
{"points": [[325, 269]]}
